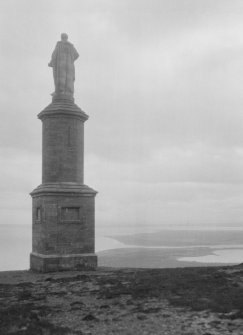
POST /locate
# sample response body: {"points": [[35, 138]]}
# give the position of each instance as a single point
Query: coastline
{"points": [[157, 257], [181, 247]]}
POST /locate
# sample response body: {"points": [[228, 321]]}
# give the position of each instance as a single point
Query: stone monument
{"points": [[63, 210]]}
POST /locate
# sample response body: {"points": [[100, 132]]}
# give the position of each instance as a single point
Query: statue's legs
{"points": [[69, 85], [61, 82], [64, 78]]}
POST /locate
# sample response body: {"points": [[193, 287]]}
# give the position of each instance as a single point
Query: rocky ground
{"points": [[182, 301]]}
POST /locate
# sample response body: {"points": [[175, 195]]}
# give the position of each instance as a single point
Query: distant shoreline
{"points": [[155, 258], [160, 249]]}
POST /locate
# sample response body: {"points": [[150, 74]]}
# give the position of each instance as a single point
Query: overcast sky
{"points": [[162, 82]]}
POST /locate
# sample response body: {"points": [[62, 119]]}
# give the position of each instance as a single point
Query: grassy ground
{"points": [[200, 301]]}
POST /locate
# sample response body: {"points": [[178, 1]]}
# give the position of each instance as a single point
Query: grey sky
{"points": [[162, 82]]}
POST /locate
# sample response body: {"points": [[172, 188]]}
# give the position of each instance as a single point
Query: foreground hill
{"points": [[200, 301]]}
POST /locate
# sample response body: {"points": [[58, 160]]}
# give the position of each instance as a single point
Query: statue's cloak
{"points": [[62, 61]]}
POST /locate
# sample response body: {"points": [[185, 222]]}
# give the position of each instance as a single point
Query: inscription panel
{"points": [[70, 213]]}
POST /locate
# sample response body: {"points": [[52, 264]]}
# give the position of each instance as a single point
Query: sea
{"points": [[143, 247]]}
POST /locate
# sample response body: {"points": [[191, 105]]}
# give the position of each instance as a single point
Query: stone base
{"points": [[52, 263]]}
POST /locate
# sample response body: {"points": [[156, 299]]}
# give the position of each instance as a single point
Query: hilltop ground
{"points": [[181, 301]]}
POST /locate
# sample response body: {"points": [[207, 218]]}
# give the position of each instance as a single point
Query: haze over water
{"points": [[143, 246]]}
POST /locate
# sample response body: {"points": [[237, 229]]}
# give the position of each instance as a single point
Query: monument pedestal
{"points": [[63, 210]]}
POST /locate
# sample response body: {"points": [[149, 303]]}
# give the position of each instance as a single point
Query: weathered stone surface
{"points": [[62, 143], [53, 263], [63, 210], [54, 232]]}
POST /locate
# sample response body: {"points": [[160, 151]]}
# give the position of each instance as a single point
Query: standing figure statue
{"points": [[62, 62]]}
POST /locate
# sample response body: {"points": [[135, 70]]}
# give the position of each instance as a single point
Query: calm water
{"points": [[15, 246], [226, 246]]}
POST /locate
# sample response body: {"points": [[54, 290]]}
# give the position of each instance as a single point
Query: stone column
{"points": [[63, 215]]}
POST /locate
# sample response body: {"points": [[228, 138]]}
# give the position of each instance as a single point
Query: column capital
{"points": [[64, 107]]}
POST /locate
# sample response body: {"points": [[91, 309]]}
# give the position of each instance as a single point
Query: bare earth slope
{"points": [[123, 301]]}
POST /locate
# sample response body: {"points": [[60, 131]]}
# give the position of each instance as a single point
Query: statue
{"points": [[62, 62]]}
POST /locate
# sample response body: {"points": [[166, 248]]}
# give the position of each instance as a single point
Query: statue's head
{"points": [[64, 37]]}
